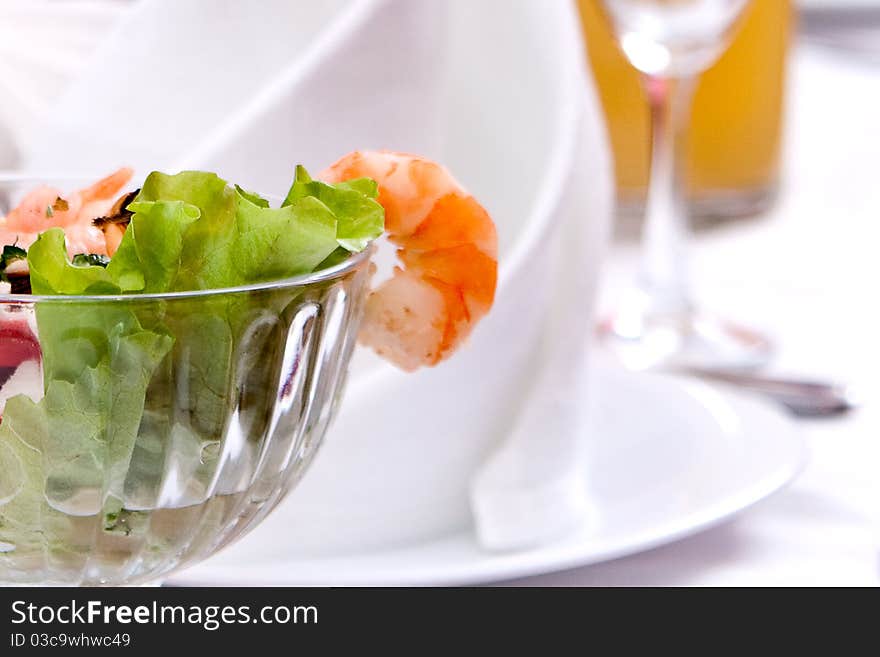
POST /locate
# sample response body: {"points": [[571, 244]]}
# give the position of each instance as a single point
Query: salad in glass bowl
{"points": [[171, 356]]}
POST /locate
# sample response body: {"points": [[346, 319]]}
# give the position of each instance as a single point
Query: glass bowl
{"points": [[142, 433]]}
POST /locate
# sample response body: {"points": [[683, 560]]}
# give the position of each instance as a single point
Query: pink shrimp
{"points": [[447, 246], [46, 207]]}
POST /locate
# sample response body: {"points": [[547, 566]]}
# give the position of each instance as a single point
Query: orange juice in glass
{"points": [[733, 144]]}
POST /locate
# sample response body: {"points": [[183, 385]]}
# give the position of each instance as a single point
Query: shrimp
{"points": [[447, 246], [46, 207]]}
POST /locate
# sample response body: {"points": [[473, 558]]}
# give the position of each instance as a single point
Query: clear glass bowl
{"points": [[142, 433]]}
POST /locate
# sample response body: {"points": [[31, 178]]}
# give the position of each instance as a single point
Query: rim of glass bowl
{"points": [[348, 265]]}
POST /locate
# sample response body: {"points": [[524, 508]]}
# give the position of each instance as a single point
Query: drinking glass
{"points": [[142, 433], [728, 176], [671, 42]]}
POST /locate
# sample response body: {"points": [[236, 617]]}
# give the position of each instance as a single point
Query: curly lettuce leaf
{"points": [[192, 231], [360, 218], [52, 271], [239, 239], [253, 197], [149, 255]]}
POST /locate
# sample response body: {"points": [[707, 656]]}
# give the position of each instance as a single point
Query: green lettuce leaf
{"points": [[149, 256], [192, 231], [253, 197], [52, 271], [360, 218]]}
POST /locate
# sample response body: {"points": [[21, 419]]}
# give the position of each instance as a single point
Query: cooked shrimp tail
{"points": [[107, 187], [46, 207], [447, 248]]}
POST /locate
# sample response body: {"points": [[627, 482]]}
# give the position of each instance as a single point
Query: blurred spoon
{"points": [[804, 398], [850, 28]]}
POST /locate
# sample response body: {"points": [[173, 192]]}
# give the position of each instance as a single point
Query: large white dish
{"points": [[671, 457]]}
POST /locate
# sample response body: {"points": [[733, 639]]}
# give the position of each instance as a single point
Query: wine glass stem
{"points": [[664, 270]]}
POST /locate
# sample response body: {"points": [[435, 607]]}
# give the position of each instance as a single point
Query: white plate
{"points": [[670, 458]]}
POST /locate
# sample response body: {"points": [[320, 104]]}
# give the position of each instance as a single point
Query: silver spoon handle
{"points": [[802, 397]]}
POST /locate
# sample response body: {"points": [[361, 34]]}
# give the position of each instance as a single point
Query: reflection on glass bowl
{"points": [[143, 433]]}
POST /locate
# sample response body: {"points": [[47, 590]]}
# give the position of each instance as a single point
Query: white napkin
{"points": [[43, 46], [248, 92], [534, 488]]}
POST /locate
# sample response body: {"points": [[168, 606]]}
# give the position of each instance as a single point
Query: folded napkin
{"points": [[534, 487], [44, 44], [248, 92]]}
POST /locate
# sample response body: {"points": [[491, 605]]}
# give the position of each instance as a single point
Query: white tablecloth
{"points": [[809, 272]]}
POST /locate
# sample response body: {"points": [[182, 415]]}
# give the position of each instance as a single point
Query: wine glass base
{"points": [[686, 340]]}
